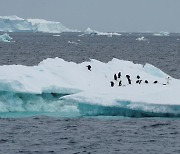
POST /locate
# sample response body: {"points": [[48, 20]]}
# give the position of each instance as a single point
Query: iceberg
{"points": [[16, 24], [5, 38], [55, 85], [162, 33], [89, 31], [40, 25]]}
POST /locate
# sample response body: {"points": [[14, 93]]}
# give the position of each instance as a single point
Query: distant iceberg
{"points": [[162, 33], [40, 25], [89, 31], [56, 85], [16, 24], [5, 38]]}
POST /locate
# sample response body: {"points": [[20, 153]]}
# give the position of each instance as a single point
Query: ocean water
{"points": [[32, 132]]}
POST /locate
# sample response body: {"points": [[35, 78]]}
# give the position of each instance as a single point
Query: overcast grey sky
{"points": [[101, 15]]}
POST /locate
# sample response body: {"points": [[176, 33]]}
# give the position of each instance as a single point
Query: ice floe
{"points": [[90, 90], [5, 38]]}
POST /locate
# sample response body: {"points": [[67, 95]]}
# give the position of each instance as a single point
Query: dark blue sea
{"points": [[32, 132]]}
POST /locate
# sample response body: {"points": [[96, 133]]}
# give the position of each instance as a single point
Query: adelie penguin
{"points": [[140, 81], [129, 81], [146, 81], [112, 84], [155, 82], [138, 77], [120, 83], [119, 75], [128, 77], [115, 77], [89, 67]]}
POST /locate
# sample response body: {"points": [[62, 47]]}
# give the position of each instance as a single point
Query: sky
{"points": [[101, 15]]}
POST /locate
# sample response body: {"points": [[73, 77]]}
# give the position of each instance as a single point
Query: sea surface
{"points": [[49, 133]]}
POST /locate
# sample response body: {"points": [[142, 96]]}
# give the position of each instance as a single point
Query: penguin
{"points": [[155, 82], [137, 81], [89, 67], [120, 83], [128, 76], [112, 84], [115, 77], [146, 81], [129, 81], [119, 75], [138, 77], [140, 81]]}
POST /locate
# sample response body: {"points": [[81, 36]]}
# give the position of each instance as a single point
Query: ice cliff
{"points": [[16, 24]]}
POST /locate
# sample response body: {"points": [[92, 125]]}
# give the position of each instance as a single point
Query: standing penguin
{"points": [[115, 77], [120, 83], [112, 84], [140, 81], [128, 77], [119, 75], [89, 67]]}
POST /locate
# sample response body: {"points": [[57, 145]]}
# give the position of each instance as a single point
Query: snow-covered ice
{"points": [[73, 42], [56, 35], [162, 33], [89, 31], [5, 38], [91, 89], [141, 39]]}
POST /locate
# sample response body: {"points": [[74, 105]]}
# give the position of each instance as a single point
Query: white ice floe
{"points": [[72, 42], [89, 31], [141, 39], [16, 24], [57, 35], [162, 33], [91, 90], [5, 38]]}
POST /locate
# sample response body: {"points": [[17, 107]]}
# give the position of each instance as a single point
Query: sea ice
{"points": [[89, 31], [141, 39], [5, 38], [162, 33], [90, 90]]}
